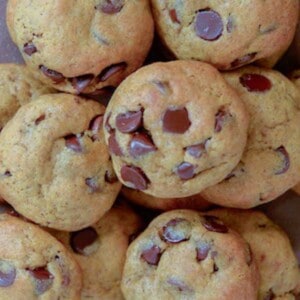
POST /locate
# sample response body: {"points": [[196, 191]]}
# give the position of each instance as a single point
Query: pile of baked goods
{"points": [[130, 164]]}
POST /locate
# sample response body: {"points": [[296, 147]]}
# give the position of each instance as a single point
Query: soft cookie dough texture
{"points": [[81, 45], [54, 165], [171, 133], [226, 34]]}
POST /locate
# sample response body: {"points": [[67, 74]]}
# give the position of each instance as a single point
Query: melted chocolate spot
{"points": [[110, 177], [202, 251], [152, 255], [197, 150], [141, 144], [208, 25], [110, 6], [129, 121], [255, 82], [43, 279], [95, 126], [176, 120], [29, 48], [7, 174], [173, 16], [79, 83], [73, 143], [113, 145], [176, 231], [56, 77], [216, 268], [185, 171], [92, 184], [286, 160], [212, 223], [7, 277], [39, 119], [220, 119], [81, 239], [243, 60], [111, 70], [135, 177]]}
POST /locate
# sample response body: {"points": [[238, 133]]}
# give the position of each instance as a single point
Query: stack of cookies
{"points": [[105, 127]]}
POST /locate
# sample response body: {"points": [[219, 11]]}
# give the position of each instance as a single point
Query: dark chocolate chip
{"points": [[111, 70], [243, 60], [215, 268], [176, 120], [81, 239], [135, 177], [7, 173], [113, 145], [43, 279], [7, 276], [79, 83], [286, 160], [39, 119], [173, 16], [29, 48], [95, 126], [73, 143], [197, 150], [212, 223], [92, 184], [255, 82], [220, 119], [202, 251], [110, 6], [141, 144], [208, 25], [185, 171], [230, 24], [152, 255], [55, 76], [180, 285], [175, 231], [129, 121], [110, 177]]}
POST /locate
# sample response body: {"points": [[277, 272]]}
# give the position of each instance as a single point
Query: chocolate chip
{"points": [[185, 171], [255, 82], [73, 143], [202, 251], [110, 6], [212, 223], [7, 173], [197, 150], [95, 126], [56, 77], [79, 83], [110, 177], [113, 145], [243, 60], [7, 276], [176, 120], [102, 95], [81, 239], [110, 71], [175, 231], [39, 119], [286, 160], [230, 24], [220, 119], [135, 177], [107, 126], [92, 184], [129, 121], [179, 284], [43, 279], [215, 267], [152, 255], [208, 25], [173, 16], [141, 144], [29, 48]]}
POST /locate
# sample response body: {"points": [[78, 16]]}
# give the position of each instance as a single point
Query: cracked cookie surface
{"points": [[55, 168], [81, 46], [270, 164], [171, 133], [224, 33], [187, 255]]}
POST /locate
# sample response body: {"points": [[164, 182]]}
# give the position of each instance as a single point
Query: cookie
{"points": [[171, 133], [34, 265], [271, 249], [296, 188], [271, 163], [185, 255], [193, 202], [54, 167], [17, 87], [225, 34], [81, 46], [295, 77]]}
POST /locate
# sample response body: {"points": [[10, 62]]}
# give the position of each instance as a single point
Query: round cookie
{"points": [[171, 133], [223, 33], [81, 46], [55, 168], [185, 255], [17, 87], [271, 163], [101, 249], [34, 265], [193, 202], [271, 249]]}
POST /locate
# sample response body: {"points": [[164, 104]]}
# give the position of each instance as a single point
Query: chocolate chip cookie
{"points": [[270, 164], [101, 249], [81, 46], [226, 34], [34, 265], [193, 202], [54, 167], [171, 133], [271, 249], [185, 255], [17, 87]]}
